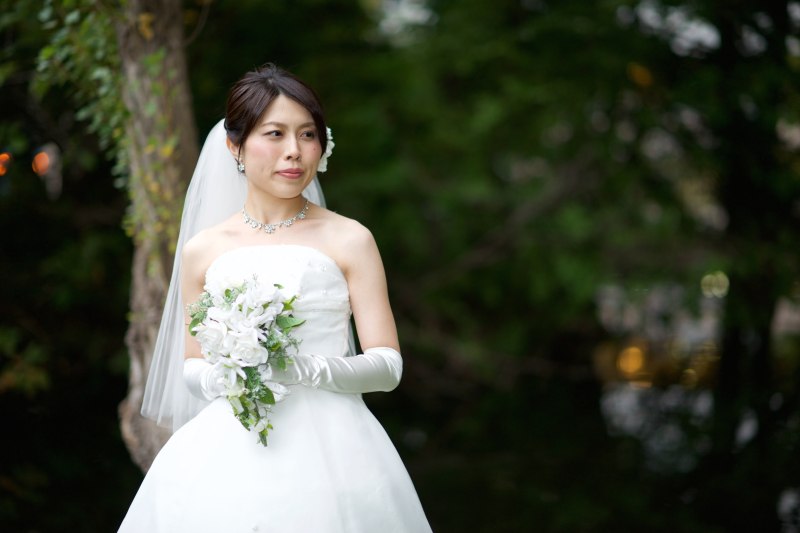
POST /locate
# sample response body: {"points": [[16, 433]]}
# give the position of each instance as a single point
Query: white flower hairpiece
{"points": [[323, 161]]}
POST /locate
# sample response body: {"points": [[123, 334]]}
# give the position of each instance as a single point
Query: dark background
{"points": [[517, 162]]}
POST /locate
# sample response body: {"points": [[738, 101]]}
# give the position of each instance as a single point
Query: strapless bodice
{"points": [[323, 298]]}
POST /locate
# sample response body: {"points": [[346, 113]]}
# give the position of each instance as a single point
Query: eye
{"points": [[310, 135], [274, 133]]}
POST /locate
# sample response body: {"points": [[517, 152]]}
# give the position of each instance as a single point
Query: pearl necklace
{"points": [[270, 228]]}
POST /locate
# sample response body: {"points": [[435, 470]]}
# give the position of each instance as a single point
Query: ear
{"points": [[234, 149]]}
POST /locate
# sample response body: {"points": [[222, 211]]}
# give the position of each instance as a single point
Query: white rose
{"points": [[211, 335], [246, 350]]}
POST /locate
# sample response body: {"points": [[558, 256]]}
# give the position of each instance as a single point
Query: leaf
{"points": [[281, 364], [73, 17], [267, 397], [150, 108], [279, 286], [46, 13], [194, 323], [285, 322]]}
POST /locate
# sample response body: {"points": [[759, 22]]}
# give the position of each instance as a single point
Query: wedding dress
{"points": [[329, 466]]}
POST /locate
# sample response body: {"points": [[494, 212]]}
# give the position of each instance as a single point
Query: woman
{"points": [[329, 466]]}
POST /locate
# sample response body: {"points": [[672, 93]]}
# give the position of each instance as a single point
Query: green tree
{"points": [[125, 66]]}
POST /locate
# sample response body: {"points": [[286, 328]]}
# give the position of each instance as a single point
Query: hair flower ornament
{"points": [[323, 161]]}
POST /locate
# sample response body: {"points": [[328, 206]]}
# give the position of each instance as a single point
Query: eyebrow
{"points": [[282, 125]]}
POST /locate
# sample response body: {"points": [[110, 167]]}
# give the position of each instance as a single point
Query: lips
{"points": [[291, 173]]}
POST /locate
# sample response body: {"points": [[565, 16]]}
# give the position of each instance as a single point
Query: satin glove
{"points": [[202, 378], [377, 369]]}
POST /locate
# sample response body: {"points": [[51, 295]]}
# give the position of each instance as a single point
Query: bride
{"points": [[254, 207]]}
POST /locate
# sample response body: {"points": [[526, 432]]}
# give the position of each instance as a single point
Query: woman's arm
{"points": [[194, 263], [199, 375], [366, 281], [380, 367]]}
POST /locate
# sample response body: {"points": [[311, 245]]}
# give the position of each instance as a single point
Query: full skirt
{"points": [[329, 467]]}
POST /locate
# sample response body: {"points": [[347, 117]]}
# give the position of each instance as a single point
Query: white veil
{"points": [[216, 191]]}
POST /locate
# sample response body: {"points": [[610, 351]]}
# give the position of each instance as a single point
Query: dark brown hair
{"points": [[252, 94]]}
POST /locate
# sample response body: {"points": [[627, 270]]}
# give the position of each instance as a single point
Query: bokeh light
{"points": [[715, 285], [631, 360], [689, 378], [41, 163], [640, 75], [5, 162]]}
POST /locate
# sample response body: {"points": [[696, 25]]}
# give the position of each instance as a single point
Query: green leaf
{"points": [[267, 397], [47, 52], [73, 17], [150, 109], [46, 13], [279, 286], [281, 364], [285, 322], [193, 324]]}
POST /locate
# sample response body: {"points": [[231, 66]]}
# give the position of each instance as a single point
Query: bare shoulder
{"points": [[201, 250], [356, 238], [346, 234], [352, 243]]}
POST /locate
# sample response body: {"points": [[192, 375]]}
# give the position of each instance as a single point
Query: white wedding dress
{"points": [[329, 466]]}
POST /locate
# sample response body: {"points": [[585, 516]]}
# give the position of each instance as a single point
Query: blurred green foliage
{"points": [[509, 157]]}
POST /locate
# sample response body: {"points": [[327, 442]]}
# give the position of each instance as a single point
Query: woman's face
{"points": [[282, 152]]}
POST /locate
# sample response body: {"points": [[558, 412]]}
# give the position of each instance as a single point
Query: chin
{"points": [[289, 190]]}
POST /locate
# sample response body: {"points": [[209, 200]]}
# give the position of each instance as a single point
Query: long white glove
{"points": [[377, 369], [202, 378]]}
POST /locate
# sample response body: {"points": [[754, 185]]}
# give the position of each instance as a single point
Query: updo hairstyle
{"points": [[252, 94]]}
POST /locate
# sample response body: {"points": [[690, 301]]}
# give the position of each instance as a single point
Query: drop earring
{"points": [[241, 166]]}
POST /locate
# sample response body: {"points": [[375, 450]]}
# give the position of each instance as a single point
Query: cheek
{"points": [[314, 151], [263, 152]]}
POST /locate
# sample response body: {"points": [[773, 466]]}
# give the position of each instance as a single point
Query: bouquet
{"points": [[243, 328]]}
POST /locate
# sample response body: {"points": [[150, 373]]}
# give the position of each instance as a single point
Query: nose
{"points": [[292, 149]]}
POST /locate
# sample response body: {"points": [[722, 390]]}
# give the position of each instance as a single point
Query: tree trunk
{"points": [[162, 151]]}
